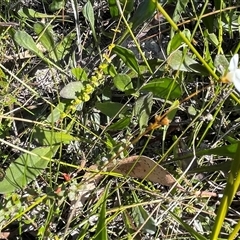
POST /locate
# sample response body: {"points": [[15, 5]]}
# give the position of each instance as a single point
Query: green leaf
{"points": [[25, 40], [120, 124], [192, 110], [123, 82], [142, 109], [49, 138], [173, 110], [62, 48], [127, 57], [233, 183], [72, 90], [56, 5], [163, 88], [110, 70], [88, 13], [30, 13], [45, 37], [144, 70], [127, 6], [182, 62], [143, 13], [227, 151], [141, 216], [143, 120], [2, 75], [111, 109], [174, 43], [101, 231], [221, 63], [179, 9], [213, 38], [177, 41], [113, 8], [224, 166], [55, 115], [142, 104], [79, 73], [110, 142], [26, 169]]}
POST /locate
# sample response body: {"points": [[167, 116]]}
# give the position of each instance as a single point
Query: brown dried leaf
{"points": [[144, 168], [136, 166]]}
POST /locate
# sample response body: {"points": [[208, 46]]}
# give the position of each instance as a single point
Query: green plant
{"points": [[99, 105]]}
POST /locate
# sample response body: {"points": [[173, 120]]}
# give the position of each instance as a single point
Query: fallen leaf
{"points": [[143, 167]]}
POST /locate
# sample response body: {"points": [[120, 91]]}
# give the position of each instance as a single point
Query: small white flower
{"points": [[234, 73]]}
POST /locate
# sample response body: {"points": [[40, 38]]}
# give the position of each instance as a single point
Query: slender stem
{"points": [[185, 39], [229, 192]]}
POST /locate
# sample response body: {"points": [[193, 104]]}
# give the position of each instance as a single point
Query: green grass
{"points": [[83, 100]]}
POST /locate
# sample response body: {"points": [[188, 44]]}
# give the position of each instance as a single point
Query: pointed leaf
{"points": [[62, 48], [141, 216], [79, 73], [176, 41], [179, 9], [227, 151], [46, 37], [164, 88], [192, 110], [88, 13], [48, 137], [213, 38], [143, 13], [142, 109], [30, 13], [25, 40], [111, 109], [26, 168], [120, 124], [144, 168], [55, 115], [123, 82], [101, 231], [127, 57]]}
